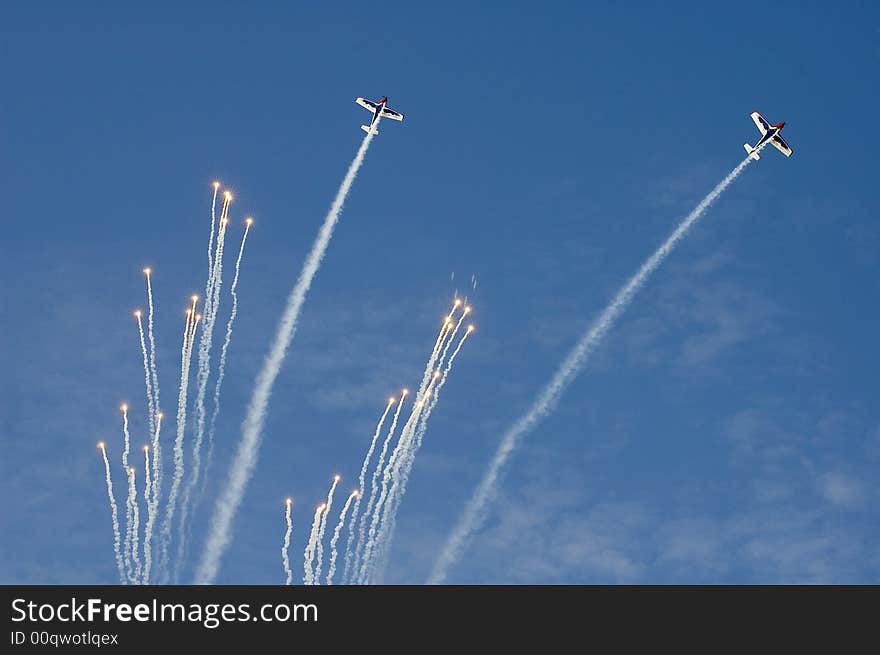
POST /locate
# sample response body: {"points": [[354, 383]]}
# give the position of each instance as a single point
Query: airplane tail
{"points": [[752, 152], [366, 128]]}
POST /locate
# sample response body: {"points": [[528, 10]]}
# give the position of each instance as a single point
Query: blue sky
{"points": [[726, 431]]}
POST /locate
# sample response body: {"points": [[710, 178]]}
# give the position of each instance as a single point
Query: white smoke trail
{"points": [[216, 278], [151, 407], [446, 372], [367, 551], [476, 508], [374, 484], [126, 546], [404, 469], [309, 553], [153, 502], [114, 515], [171, 505], [390, 468], [129, 511], [361, 483], [212, 256], [432, 403], [135, 527], [221, 369], [148, 494], [148, 481], [212, 304], [429, 377], [213, 222], [157, 458], [212, 293], [331, 571], [316, 574], [285, 547], [154, 371], [248, 449], [365, 545], [126, 436]]}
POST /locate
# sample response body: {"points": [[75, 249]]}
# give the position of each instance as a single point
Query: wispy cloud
{"points": [[872, 443], [843, 490], [539, 541]]}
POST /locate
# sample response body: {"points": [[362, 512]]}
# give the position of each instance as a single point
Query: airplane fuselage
{"points": [[379, 107], [773, 131]]}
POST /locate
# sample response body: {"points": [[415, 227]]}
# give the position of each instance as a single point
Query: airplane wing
{"points": [[390, 113], [761, 122], [781, 145], [369, 105]]}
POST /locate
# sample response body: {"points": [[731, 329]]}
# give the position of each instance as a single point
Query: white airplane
{"points": [[769, 133], [379, 109]]}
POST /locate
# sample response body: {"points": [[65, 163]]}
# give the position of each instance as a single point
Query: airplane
{"points": [[379, 109], [769, 133]]}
